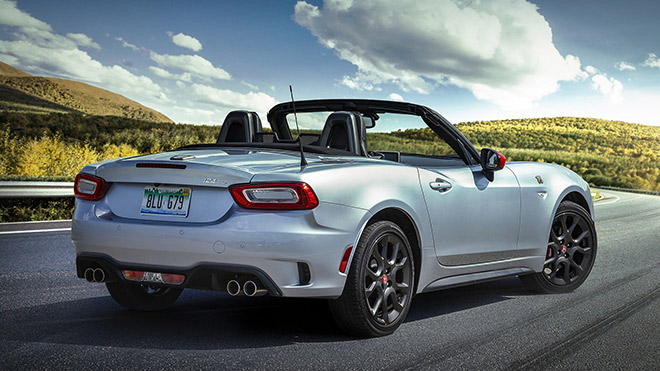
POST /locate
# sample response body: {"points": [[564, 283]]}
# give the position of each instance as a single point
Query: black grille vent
{"points": [[304, 273]]}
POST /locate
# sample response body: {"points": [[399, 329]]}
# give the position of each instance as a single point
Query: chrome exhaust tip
{"points": [[99, 275], [233, 287], [251, 289], [89, 274]]}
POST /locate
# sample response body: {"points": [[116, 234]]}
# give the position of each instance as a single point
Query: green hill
{"points": [[22, 92], [605, 153]]}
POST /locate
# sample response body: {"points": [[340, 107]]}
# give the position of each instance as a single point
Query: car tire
{"points": [[143, 297], [570, 254], [380, 283]]}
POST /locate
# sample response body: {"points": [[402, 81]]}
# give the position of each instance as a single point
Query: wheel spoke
{"points": [[383, 307], [566, 277], [374, 309], [373, 275], [395, 252], [564, 228], [400, 286], [370, 290], [570, 230], [579, 238]]}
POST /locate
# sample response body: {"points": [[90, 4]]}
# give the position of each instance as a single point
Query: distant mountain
{"points": [[22, 92]]}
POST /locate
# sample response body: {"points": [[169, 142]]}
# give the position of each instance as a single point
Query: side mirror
{"points": [[491, 161]]}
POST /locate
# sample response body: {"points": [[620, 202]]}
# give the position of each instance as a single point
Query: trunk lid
{"points": [[203, 175]]}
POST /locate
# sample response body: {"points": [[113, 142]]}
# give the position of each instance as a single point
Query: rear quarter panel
{"points": [[369, 185]]}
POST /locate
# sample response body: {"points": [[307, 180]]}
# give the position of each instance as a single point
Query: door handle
{"points": [[440, 185]]}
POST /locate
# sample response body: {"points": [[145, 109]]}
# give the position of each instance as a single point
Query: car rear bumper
{"points": [[272, 246]]}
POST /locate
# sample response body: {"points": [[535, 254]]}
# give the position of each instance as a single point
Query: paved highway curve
{"points": [[51, 319]]}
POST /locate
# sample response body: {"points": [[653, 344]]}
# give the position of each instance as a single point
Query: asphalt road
{"points": [[51, 319]]}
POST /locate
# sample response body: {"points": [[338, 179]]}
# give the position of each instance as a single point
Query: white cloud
{"points": [[186, 41], [611, 88], [591, 70], [652, 61], [251, 86], [10, 15], [83, 40], [38, 49], [260, 102], [395, 96], [186, 76], [623, 66], [194, 64], [500, 50], [126, 44]]}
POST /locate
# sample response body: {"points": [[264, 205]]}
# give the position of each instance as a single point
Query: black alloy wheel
{"points": [[380, 283], [388, 279], [570, 253]]}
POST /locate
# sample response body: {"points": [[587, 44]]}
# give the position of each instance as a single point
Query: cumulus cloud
{"points": [[611, 88], [500, 50], [186, 41], [194, 64], [83, 40], [623, 66], [126, 44], [186, 76], [652, 61], [395, 96], [37, 48], [260, 102]]}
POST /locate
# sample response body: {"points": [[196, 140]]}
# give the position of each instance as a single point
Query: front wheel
{"points": [[570, 254], [143, 297], [379, 286]]}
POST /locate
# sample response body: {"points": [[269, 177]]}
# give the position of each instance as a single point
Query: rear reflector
{"points": [[89, 187], [154, 277], [160, 166], [274, 196], [344, 259]]}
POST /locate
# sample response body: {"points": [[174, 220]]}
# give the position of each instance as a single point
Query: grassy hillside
{"points": [[606, 153], [603, 152], [38, 94]]}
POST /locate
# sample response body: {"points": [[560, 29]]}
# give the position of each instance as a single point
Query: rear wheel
{"points": [[143, 297], [570, 254], [379, 286]]}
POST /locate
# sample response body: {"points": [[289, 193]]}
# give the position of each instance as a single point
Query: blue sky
{"points": [[469, 60]]}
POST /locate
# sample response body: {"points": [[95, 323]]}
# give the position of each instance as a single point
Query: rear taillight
{"points": [[274, 196], [89, 187]]}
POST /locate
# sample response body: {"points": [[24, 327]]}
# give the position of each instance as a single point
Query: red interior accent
{"points": [[160, 166], [306, 197], [99, 191], [344, 259]]}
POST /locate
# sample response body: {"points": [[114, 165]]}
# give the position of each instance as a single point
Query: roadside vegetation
{"points": [[56, 146]]}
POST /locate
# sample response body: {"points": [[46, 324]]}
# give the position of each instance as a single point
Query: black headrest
{"points": [[345, 131], [240, 126]]}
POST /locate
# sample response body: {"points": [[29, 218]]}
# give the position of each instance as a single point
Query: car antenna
{"points": [[303, 162]]}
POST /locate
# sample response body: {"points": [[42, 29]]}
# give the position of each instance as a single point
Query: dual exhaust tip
{"points": [[249, 288], [94, 275]]}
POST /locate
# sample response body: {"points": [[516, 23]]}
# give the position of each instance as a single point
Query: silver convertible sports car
{"points": [[324, 214]]}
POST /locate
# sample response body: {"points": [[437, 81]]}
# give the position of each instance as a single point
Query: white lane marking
{"points": [[36, 231], [606, 202]]}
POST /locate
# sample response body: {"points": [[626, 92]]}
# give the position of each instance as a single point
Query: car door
{"points": [[474, 220]]}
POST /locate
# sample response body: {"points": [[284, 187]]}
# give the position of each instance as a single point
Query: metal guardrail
{"points": [[631, 190], [35, 189], [11, 189]]}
